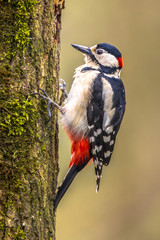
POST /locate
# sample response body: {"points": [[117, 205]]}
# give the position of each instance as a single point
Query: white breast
{"points": [[75, 117]]}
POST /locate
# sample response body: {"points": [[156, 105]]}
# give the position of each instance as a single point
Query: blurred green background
{"points": [[127, 206]]}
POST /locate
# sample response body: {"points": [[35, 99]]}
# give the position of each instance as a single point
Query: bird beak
{"points": [[83, 49]]}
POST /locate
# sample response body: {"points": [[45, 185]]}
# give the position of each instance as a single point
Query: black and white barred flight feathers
{"points": [[102, 131]]}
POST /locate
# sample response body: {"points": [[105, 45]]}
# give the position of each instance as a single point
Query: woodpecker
{"points": [[93, 111]]}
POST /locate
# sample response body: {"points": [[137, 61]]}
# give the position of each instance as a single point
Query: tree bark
{"points": [[29, 60]]}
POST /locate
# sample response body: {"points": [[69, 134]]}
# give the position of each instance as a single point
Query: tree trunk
{"points": [[29, 60]]}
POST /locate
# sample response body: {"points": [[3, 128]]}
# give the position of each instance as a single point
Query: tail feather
{"points": [[80, 157], [72, 172]]}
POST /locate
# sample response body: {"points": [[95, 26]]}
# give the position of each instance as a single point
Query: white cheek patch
{"points": [[107, 59]]}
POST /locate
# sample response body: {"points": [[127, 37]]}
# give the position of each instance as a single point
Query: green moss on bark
{"points": [[20, 235], [29, 58], [16, 17], [18, 135]]}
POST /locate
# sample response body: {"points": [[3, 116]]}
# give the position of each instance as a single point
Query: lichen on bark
{"points": [[29, 60]]}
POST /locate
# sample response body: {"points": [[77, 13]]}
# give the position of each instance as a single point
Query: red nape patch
{"points": [[80, 152], [120, 61]]}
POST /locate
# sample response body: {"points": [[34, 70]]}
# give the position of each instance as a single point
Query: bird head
{"points": [[102, 55]]}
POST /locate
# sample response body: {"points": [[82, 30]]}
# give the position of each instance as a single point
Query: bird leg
{"points": [[50, 101]]}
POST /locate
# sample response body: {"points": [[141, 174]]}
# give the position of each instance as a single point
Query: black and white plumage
{"points": [[96, 103], [105, 114], [93, 111]]}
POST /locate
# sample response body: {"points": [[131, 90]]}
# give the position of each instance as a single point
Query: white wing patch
{"points": [[107, 96], [106, 139]]}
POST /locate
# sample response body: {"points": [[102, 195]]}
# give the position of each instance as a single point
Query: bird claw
{"points": [[62, 86], [64, 95], [49, 102], [44, 92]]}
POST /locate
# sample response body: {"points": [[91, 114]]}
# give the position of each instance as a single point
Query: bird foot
{"points": [[62, 86], [64, 95], [49, 102]]}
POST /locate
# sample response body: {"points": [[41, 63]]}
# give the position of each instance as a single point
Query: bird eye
{"points": [[99, 51]]}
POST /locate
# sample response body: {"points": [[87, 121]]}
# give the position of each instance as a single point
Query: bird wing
{"points": [[95, 120], [103, 126], [113, 118]]}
